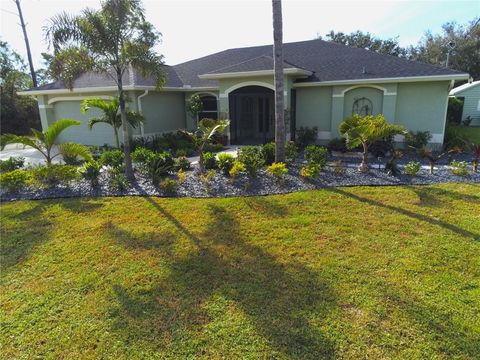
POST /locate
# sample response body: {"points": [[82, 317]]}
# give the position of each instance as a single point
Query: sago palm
{"points": [[112, 41], [111, 115], [45, 141], [365, 130]]}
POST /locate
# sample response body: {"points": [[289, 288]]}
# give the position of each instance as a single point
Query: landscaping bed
{"points": [[219, 185]]}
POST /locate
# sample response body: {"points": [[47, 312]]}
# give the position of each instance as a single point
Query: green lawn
{"points": [[472, 133], [352, 273]]}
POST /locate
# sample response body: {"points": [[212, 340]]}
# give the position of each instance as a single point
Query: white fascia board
{"points": [[288, 71], [109, 89], [384, 80]]}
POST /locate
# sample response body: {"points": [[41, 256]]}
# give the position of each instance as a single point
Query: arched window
{"points": [[209, 107]]}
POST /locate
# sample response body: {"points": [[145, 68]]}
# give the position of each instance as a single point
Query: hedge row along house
{"points": [[324, 83]]}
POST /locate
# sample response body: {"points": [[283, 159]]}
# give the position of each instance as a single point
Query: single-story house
{"points": [[470, 93], [324, 83]]}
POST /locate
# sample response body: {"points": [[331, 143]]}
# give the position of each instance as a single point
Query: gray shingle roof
{"points": [[327, 61]]}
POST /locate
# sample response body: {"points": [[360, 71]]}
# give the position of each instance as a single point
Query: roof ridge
{"points": [[242, 62]]}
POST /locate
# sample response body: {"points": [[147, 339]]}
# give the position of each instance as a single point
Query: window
{"points": [[362, 106], [209, 107], [478, 105]]}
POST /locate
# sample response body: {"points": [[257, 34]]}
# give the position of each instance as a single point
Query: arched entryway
{"points": [[252, 115]]}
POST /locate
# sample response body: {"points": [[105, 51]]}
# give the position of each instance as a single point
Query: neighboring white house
{"points": [[470, 93]]}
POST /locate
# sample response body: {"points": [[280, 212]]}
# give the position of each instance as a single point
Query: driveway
{"points": [[32, 156]]}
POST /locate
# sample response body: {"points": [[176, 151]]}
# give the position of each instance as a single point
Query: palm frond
{"points": [[55, 129], [99, 120], [17, 139], [74, 150], [135, 119]]}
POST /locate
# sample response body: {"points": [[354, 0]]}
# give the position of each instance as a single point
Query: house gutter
{"points": [[139, 102]]}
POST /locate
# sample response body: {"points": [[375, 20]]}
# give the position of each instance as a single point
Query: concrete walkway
{"points": [[32, 156]]}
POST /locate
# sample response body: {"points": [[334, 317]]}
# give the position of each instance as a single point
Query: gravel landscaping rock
{"points": [[263, 184]]}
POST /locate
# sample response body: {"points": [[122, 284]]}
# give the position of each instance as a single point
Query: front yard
{"points": [[384, 272]]}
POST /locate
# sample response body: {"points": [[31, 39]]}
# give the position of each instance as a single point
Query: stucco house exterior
{"points": [[470, 92], [324, 83]]}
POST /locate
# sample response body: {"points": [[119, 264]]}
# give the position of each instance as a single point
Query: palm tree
{"points": [[44, 141], [207, 128], [111, 115], [278, 77], [112, 41], [365, 130]]}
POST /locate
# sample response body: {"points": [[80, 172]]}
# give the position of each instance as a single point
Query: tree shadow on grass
{"points": [[33, 226], [146, 241], [431, 196], [453, 228], [278, 299], [20, 233], [266, 205], [451, 337]]}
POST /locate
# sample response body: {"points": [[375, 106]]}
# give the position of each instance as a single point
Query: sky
{"points": [[195, 28]]}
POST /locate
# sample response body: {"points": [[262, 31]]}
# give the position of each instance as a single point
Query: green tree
{"points": [[365, 130], [113, 40], [465, 56], [18, 113], [111, 115], [207, 128], [44, 141], [195, 106], [367, 41]]}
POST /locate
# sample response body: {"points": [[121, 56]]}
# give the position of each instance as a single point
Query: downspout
{"points": [[139, 101]]}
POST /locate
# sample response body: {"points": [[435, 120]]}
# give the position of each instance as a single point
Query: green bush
{"points": [[291, 152], [278, 170], [140, 155], [310, 171], [117, 179], [113, 158], [382, 147], [338, 144], [316, 155], [90, 171], [14, 180], [412, 168], [225, 162], [306, 136], [159, 165], [182, 163], [268, 153], [215, 147], [54, 174], [12, 163], [252, 158], [417, 139], [169, 186], [209, 160], [237, 168], [459, 168]]}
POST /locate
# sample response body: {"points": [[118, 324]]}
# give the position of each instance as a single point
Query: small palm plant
{"points": [[207, 128], [44, 141], [434, 158], [365, 130], [111, 115]]}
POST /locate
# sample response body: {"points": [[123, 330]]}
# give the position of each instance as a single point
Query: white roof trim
{"points": [[384, 80], [288, 71], [110, 89], [464, 87]]}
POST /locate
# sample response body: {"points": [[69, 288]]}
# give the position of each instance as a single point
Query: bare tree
{"points": [[27, 44], [278, 77]]}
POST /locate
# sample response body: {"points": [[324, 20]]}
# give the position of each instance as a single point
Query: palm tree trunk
{"points": [[278, 78], [126, 137], [364, 165], [115, 132]]}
